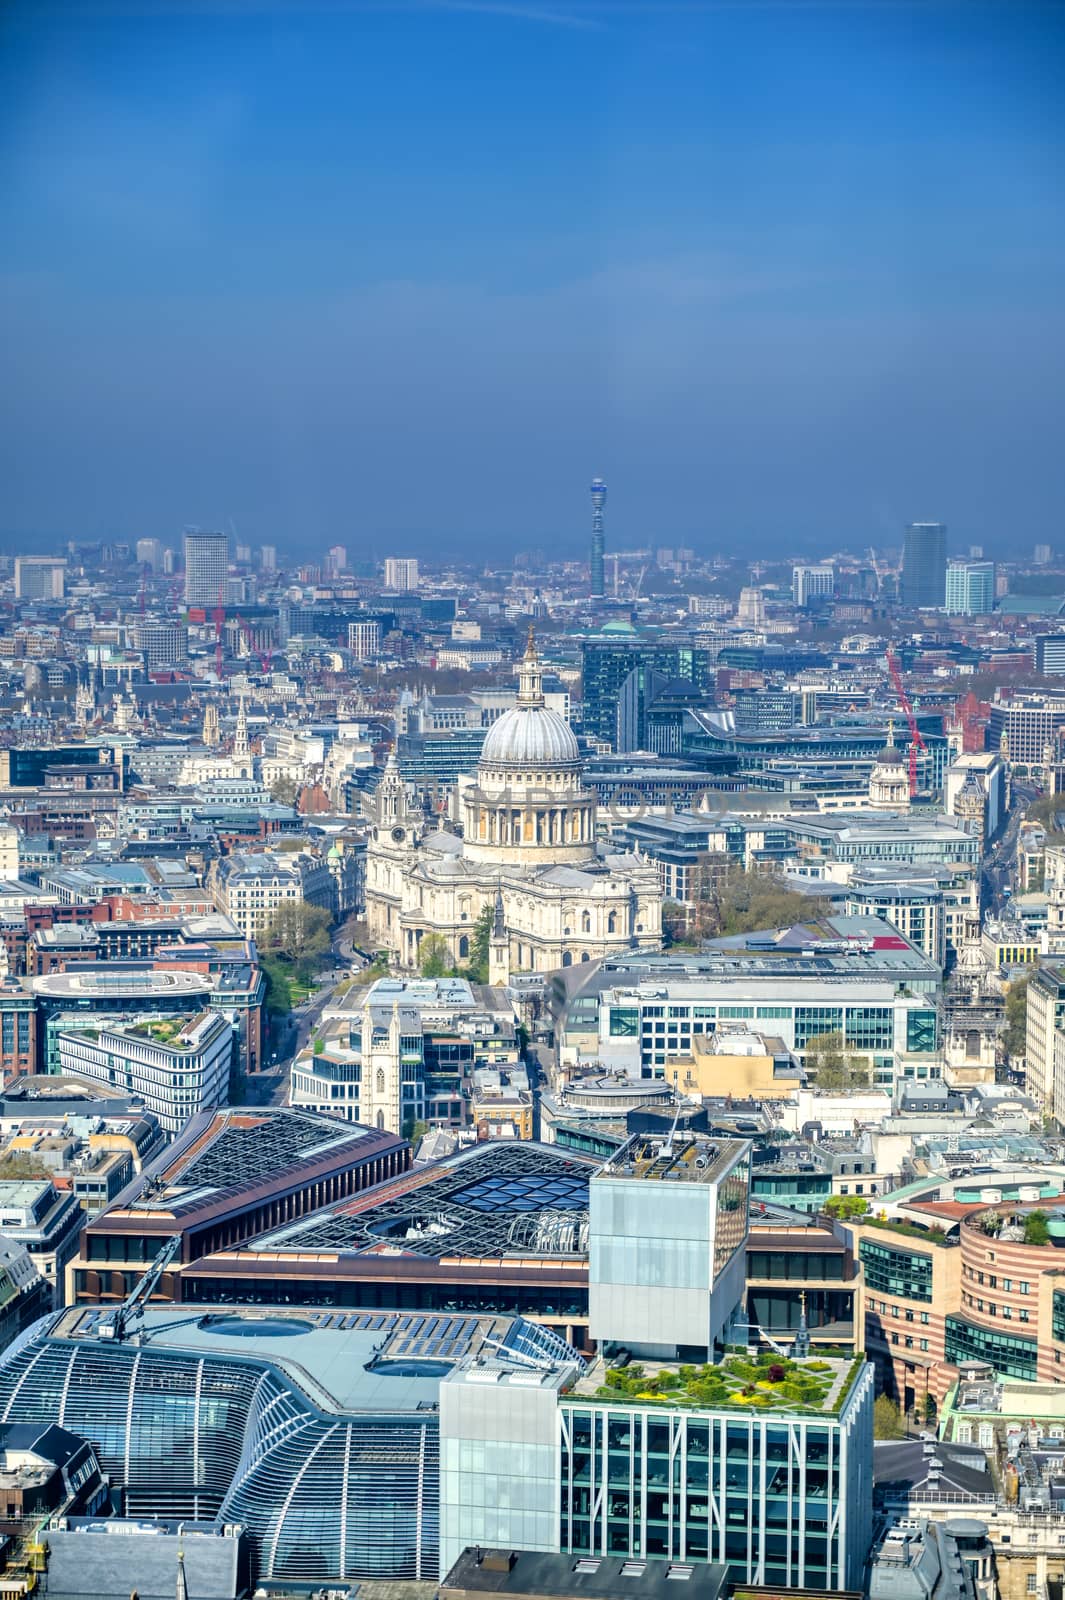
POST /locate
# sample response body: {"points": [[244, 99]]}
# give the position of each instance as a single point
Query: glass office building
{"points": [[318, 1432]]}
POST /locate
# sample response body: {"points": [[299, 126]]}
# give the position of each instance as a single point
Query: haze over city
{"points": [[788, 276]]}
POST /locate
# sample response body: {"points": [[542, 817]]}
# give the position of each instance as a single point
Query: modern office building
{"points": [[176, 1068], [1022, 725], [336, 560], [598, 543], [229, 1176], [39, 577], [658, 1458], [501, 1228], [924, 565], [401, 574], [607, 665], [666, 1246], [364, 639], [1048, 654], [319, 1433], [874, 988], [970, 588], [812, 583], [206, 568], [268, 557]]}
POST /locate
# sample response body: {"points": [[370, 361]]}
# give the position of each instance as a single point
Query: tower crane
{"points": [[916, 740], [119, 1324]]}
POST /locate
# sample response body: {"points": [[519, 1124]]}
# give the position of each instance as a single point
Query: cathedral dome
{"points": [[529, 736], [890, 756]]}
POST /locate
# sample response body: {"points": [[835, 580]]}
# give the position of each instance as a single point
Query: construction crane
{"points": [[119, 1324], [916, 741]]}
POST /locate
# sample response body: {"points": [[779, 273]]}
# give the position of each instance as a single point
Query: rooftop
{"points": [[341, 1361], [678, 1158], [494, 1200], [221, 1153], [771, 1382]]}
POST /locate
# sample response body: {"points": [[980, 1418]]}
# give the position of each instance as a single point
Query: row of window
{"points": [[990, 1308], [1023, 1286]]}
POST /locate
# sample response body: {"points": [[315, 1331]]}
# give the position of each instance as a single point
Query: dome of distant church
{"points": [[530, 736], [890, 756]]}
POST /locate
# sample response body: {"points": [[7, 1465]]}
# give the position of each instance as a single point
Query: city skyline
{"points": [[786, 276]]}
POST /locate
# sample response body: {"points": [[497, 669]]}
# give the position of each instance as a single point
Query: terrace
{"points": [[768, 1382]]}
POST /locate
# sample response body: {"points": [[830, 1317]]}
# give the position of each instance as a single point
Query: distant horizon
{"points": [[785, 276]]}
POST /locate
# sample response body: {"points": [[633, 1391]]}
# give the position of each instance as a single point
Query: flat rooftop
{"points": [[342, 1361], [99, 982], [497, 1199], [220, 1153], [677, 1158]]}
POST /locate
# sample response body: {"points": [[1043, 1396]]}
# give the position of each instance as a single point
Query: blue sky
{"points": [[787, 274]]}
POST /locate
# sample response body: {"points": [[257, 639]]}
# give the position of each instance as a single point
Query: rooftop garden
{"points": [[163, 1030], [770, 1382], [909, 1230]]}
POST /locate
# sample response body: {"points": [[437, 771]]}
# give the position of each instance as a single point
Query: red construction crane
{"points": [[916, 741]]}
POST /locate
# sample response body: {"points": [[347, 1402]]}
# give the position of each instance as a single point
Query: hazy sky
{"points": [[787, 274]]}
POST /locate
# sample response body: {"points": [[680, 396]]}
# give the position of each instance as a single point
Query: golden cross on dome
{"points": [[530, 643]]}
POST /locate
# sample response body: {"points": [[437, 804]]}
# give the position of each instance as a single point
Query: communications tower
{"points": [[598, 502]]}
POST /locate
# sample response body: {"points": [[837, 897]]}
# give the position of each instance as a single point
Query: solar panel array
{"points": [[438, 1337]]}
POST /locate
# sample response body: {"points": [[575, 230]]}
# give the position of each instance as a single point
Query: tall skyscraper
{"points": [[812, 583], [268, 557], [598, 502], [336, 560], [970, 590], [206, 568], [924, 564]]}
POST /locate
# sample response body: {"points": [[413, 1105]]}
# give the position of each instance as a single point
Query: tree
{"points": [[299, 932], [477, 971], [1014, 1036], [887, 1419], [284, 791], [846, 1206], [832, 1071], [434, 958], [1036, 1228]]}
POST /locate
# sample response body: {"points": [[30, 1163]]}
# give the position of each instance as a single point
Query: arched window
{"points": [[586, 922], [464, 948], [381, 1121], [567, 958], [612, 922], [585, 956], [380, 1080], [972, 1045]]}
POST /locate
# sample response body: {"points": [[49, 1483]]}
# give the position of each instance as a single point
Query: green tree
{"points": [[1036, 1229], [434, 958], [831, 1069], [1015, 1033], [846, 1206], [477, 971], [284, 791], [299, 933], [887, 1419]]}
